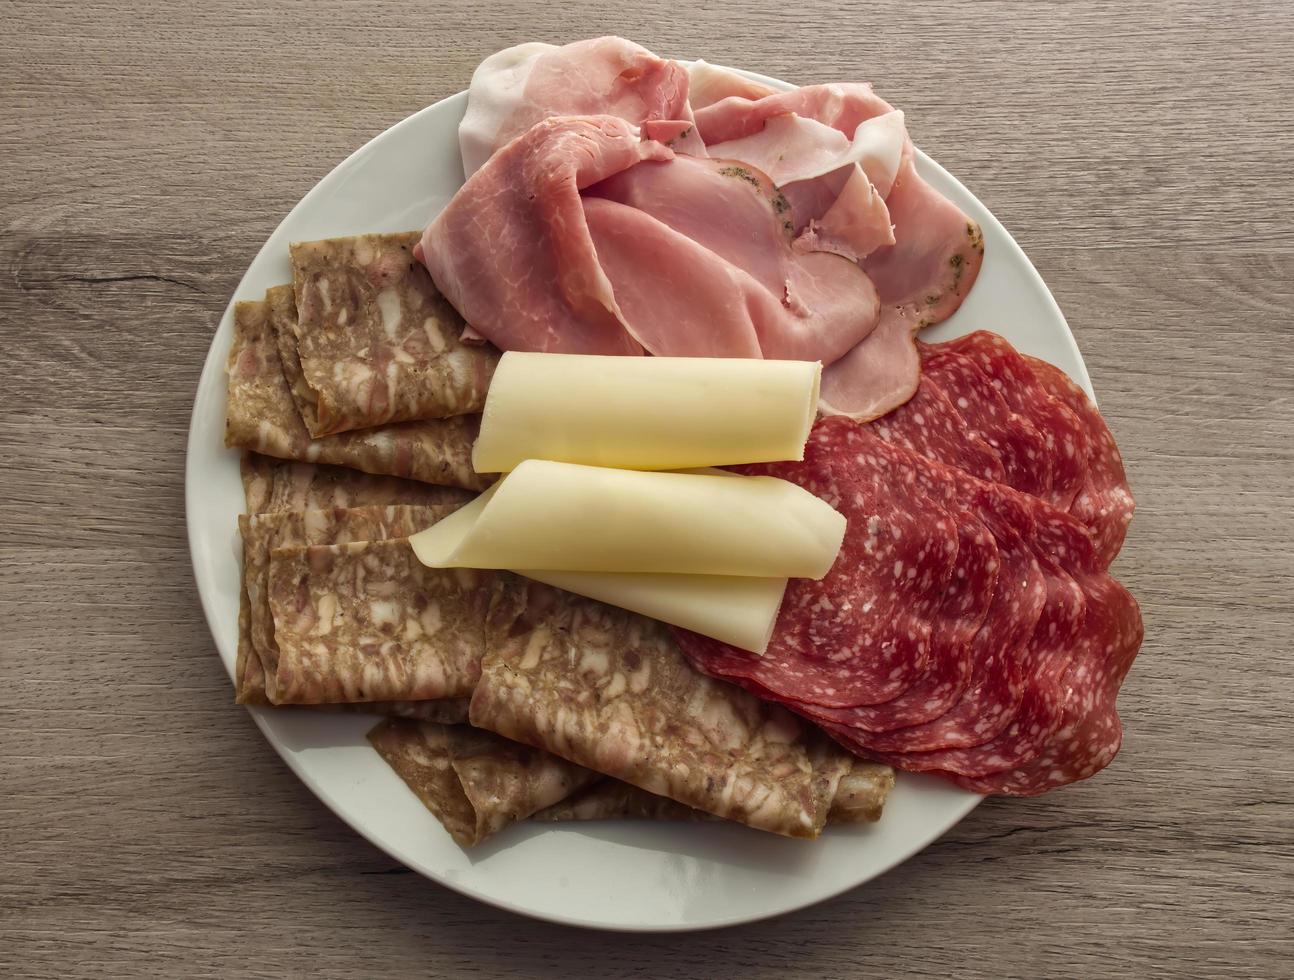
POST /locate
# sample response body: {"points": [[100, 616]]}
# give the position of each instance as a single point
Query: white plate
{"points": [[634, 875]]}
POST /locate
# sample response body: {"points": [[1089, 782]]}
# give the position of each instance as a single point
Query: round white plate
{"points": [[630, 875]]}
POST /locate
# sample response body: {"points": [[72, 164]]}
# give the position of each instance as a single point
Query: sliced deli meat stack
{"points": [[1014, 689], [475, 782], [274, 485], [522, 85], [374, 342], [264, 533], [261, 416], [609, 690], [1104, 501], [367, 621], [511, 251], [864, 633]]}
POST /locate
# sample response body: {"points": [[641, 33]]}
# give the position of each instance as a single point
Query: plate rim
{"points": [[207, 589]]}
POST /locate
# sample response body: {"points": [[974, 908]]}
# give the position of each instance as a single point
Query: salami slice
{"points": [[930, 424], [863, 634], [262, 417], [1063, 433], [1090, 733], [968, 598], [371, 341], [1104, 502], [1026, 460], [998, 652]]}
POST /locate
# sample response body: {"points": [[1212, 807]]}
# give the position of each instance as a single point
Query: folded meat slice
{"points": [[609, 690], [262, 417], [921, 278], [710, 84], [475, 782], [274, 485], [372, 340], [517, 87], [366, 621], [836, 186], [512, 251], [716, 232]]}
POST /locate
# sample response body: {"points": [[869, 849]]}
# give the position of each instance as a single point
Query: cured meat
{"points": [[1104, 501], [995, 686], [860, 798], [511, 251], [1026, 460], [921, 279], [609, 690], [930, 425], [863, 634], [1064, 436], [716, 232], [475, 782], [370, 341], [710, 83], [520, 86], [610, 799], [273, 485], [367, 621], [262, 417], [264, 533]]}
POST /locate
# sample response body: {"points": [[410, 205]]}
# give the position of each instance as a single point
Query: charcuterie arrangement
{"points": [[628, 487]]}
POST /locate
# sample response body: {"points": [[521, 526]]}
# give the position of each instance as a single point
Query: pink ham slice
{"points": [[713, 231], [710, 84], [517, 87], [921, 279], [512, 251]]}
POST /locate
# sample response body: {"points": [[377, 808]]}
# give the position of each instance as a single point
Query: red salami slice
{"points": [[1026, 460], [1104, 502], [861, 635], [930, 425], [1090, 733], [1064, 435], [997, 652]]}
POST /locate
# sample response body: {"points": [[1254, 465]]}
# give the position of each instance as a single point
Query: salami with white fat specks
{"points": [[1026, 460], [930, 424], [861, 635], [1104, 502], [1064, 434], [968, 597], [994, 689]]}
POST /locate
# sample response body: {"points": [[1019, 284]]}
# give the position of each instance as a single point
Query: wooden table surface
{"points": [[1141, 153]]}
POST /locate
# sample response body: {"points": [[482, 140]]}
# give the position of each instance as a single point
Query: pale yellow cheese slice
{"points": [[739, 610], [645, 413], [568, 517]]}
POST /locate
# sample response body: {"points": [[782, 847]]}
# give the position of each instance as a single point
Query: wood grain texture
{"points": [[1141, 152]]}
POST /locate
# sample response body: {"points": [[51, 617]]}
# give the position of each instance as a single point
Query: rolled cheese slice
{"points": [[737, 610], [645, 413], [573, 518]]}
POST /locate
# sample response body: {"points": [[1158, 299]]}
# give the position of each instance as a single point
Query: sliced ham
{"points": [[710, 83], [713, 232], [512, 252], [921, 278], [517, 87]]}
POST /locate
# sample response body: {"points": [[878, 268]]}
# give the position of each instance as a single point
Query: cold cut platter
{"points": [[646, 495]]}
